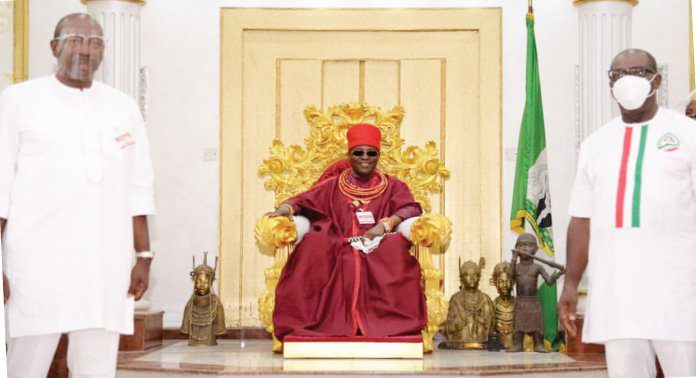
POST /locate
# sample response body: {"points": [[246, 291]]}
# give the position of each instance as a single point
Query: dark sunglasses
{"points": [[359, 153]]}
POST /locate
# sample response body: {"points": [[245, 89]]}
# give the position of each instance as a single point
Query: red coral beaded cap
{"points": [[364, 134]]}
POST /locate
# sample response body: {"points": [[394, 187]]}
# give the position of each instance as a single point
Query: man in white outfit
{"points": [[75, 190], [633, 226]]}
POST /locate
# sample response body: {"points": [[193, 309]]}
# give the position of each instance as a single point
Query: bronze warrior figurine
{"points": [[528, 318]]}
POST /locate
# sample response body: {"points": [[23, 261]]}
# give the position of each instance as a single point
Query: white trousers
{"points": [[635, 358], [91, 353]]}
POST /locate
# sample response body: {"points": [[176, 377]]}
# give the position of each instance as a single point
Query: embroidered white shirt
{"points": [[74, 168], [637, 184]]}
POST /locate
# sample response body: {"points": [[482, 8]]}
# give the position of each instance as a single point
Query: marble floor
{"points": [[254, 357]]}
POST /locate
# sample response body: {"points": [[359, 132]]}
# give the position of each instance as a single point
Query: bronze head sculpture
{"points": [[470, 318], [504, 304], [204, 317]]}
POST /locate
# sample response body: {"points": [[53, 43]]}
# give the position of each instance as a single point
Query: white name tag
{"points": [[365, 217]]}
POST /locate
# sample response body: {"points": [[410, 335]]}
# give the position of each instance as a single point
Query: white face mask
{"points": [[631, 91]]}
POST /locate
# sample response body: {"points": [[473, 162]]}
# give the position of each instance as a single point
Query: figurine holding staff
{"points": [[528, 318]]}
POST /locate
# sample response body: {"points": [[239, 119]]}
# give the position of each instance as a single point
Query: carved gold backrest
{"points": [[294, 169]]}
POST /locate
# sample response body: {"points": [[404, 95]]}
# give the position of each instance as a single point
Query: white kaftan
{"points": [[637, 184], [74, 169]]}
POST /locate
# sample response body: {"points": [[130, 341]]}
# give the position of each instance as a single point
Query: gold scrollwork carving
{"points": [[432, 233], [275, 235], [294, 169], [267, 299], [272, 233], [437, 306]]}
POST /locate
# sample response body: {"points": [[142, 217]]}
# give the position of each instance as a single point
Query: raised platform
{"points": [[353, 347], [254, 357]]}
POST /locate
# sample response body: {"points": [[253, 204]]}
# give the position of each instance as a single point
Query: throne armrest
{"points": [[279, 232], [431, 231], [272, 233]]}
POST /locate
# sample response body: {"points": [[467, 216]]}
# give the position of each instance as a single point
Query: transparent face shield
{"points": [[79, 53]]}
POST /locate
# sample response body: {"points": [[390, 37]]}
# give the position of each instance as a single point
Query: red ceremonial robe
{"points": [[327, 288]]}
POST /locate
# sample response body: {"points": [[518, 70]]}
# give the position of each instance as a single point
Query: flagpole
{"points": [[531, 203]]}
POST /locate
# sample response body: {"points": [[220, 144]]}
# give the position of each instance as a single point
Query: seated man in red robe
{"points": [[330, 287]]}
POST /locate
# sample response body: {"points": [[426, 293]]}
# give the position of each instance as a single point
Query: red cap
{"points": [[364, 134]]}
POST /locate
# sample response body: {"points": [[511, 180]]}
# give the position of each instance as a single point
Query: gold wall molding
{"points": [[581, 2], [20, 67]]}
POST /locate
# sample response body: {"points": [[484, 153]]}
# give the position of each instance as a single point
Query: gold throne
{"points": [[293, 169]]}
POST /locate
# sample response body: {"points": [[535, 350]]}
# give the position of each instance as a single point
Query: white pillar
{"points": [[120, 20], [605, 30]]}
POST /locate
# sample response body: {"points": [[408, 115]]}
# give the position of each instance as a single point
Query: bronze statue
{"points": [[204, 317], [470, 318], [528, 318], [504, 304]]}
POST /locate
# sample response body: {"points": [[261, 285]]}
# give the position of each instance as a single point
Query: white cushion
{"points": [[405, 227], [302, 227]]}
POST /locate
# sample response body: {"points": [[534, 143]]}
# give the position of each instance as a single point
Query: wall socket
{"points": [[210, 154]]}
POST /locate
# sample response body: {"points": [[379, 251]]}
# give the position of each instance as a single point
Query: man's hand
{"points": [[566, 309], [140, 278], [375, 231], [576, 260], [556, 275], [5, 288], [283, 211]]}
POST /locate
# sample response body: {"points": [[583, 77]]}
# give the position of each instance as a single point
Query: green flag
{"points": [[531, 200]]}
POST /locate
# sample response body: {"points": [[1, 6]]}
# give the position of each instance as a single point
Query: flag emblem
{"points": [[668, 143]]}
